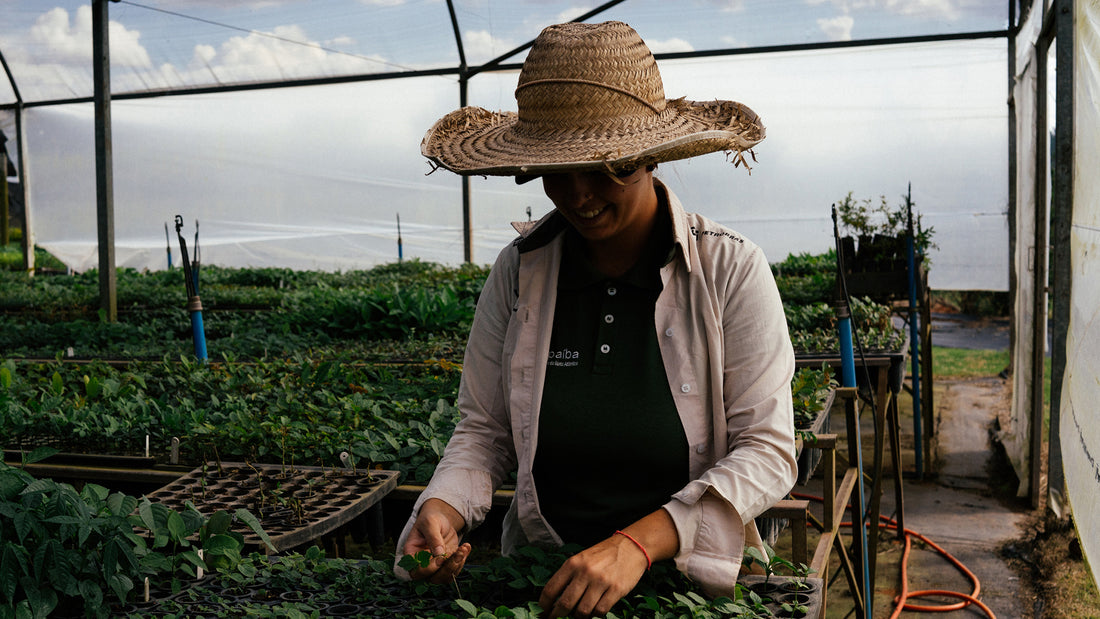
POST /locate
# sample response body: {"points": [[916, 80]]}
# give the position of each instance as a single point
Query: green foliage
{"points": [[805, 263], [813, 327], [60, 548], [864, 218], [771, 562], [249, 312], [285, 411], [810, 389]]}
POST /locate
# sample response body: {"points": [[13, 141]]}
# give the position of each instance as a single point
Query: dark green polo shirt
{"points": [[611, 447]]}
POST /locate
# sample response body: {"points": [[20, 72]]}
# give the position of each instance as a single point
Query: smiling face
{"points": [[609, 215]]}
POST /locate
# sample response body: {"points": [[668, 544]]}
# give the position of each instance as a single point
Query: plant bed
{"points": [[813, 391], [261, 586], [295, 505]]}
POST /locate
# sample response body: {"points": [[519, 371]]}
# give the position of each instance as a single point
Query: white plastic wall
{"points": [[1080, 406]]}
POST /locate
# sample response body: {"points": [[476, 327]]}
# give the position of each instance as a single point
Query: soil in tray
{"points": [[282, 499]]}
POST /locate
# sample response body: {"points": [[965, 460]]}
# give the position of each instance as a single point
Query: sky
{"points": [[316, 177]]}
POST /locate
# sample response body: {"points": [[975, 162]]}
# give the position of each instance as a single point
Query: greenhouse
{"points": [[239, 294]]}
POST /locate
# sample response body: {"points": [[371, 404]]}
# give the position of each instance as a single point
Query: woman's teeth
{"points": [[590, 214]]}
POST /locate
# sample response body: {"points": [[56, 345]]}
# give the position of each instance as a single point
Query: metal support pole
{"points": [[914, 337], [25, 193], [105, 201], [1061, 218]]}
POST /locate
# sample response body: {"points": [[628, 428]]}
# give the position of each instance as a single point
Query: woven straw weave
{"points": [[590, 96]]}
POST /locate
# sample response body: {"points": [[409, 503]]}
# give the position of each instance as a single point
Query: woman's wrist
{"points": [[655, 535]]}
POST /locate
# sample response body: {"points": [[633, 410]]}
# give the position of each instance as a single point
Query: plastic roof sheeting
{"points": [[315, 176], [178, 44]]}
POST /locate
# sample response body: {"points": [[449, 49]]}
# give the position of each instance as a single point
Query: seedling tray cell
{"points": [[294, 505]]}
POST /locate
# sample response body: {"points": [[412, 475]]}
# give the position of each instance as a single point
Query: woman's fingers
{"points": [[446, 567], [593, 580]]}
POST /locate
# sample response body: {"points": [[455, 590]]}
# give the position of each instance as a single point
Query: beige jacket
{"points": [[729, 362]]}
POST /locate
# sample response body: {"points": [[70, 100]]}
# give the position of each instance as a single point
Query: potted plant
{"points": [[873, 244]]}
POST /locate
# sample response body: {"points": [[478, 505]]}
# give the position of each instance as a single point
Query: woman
{"points": [[629, 360]]}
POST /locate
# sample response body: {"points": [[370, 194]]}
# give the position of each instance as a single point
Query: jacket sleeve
{"points": [[714, 513], [481, 452]]}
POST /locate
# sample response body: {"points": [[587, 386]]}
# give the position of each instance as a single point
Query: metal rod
{"points": [[400, 249], [168, 239], [914, 335]]}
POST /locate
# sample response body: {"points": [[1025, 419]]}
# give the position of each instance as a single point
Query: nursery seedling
{"points": [[423, 559], [771, 563]]}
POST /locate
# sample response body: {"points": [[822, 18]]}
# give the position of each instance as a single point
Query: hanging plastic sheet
{"points": [[1080, 434], [1016, 431]]}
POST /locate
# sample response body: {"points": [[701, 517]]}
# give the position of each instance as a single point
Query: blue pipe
{"points": [[847, 356], [198, 333]]}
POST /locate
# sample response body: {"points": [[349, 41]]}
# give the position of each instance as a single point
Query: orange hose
{"points": [[901, 602]]}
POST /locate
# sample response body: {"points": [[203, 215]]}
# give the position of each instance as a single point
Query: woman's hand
{"points": [[590, 582], [437, 530]]}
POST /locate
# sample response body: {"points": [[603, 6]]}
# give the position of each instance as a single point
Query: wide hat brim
{"points": [[476, 141]]}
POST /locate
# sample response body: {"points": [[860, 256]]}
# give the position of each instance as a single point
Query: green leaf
{"points": [[145, 510], [5, 378], [9, 572], [121, 585], [192, 556], [39, 454], [254, 524], [57, 386], [92, 593], [218, 523], [220, 544], [176, 528], [468, 607], [408, 563]]}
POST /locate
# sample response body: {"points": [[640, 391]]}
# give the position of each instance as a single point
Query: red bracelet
{"points": [[648, 561]]}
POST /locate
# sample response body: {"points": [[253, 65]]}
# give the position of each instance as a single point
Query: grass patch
{"points": [[11, 256], [966, 363]]}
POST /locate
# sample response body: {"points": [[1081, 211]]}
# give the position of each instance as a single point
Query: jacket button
{"points": [[700, 449], [605, 348], [609, 319], [668, 332], [611, 291], [685, 388]]}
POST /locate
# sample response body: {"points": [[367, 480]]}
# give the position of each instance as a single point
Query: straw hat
{"points": [[590, 96]]}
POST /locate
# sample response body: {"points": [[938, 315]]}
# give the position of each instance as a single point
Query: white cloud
{"points": [[286, 52], [670, 45], [481, 44], [730, 41], [382, 2], [837, 28], [340, 41], [54, 39], [729, 5], [931, 9], [571, 13], [936, 9]]}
